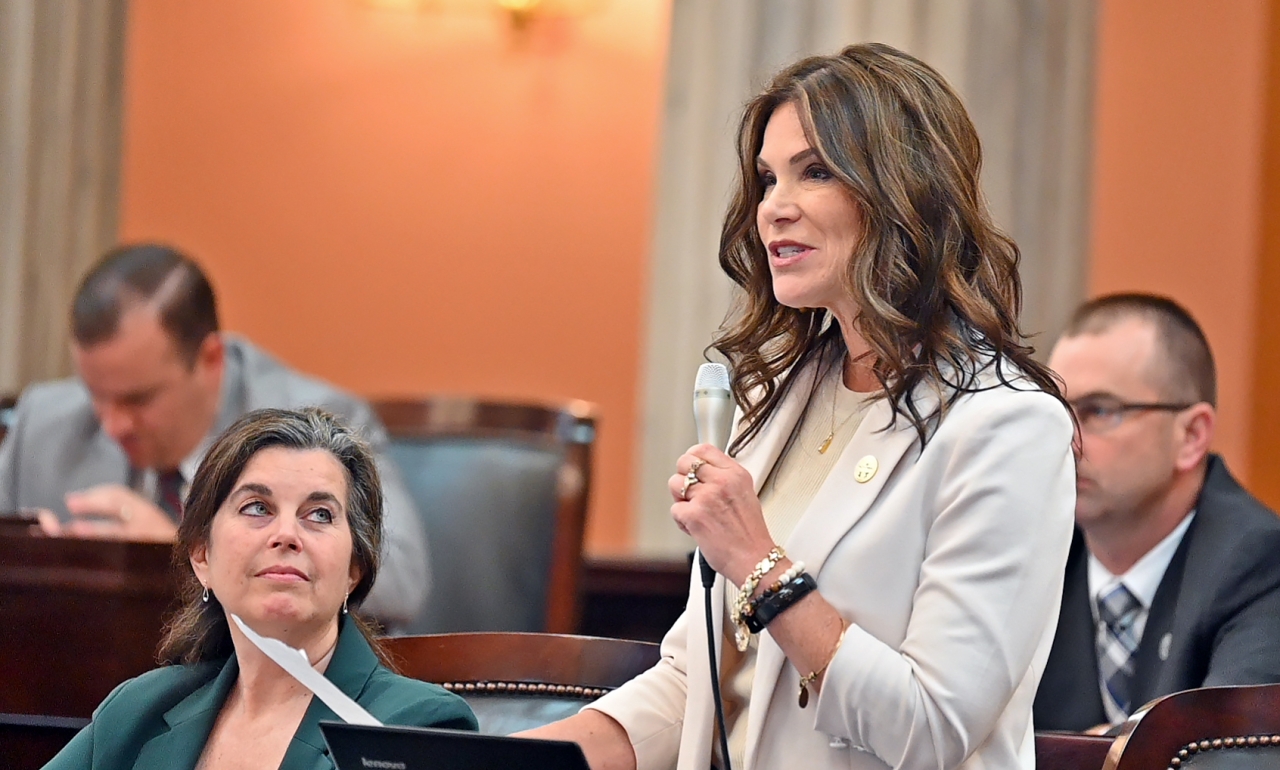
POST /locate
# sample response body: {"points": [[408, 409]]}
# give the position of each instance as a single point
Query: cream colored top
{"points": [[835, 412]]}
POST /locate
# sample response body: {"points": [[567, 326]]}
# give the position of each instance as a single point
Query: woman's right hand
{"points": [[720, 511]]}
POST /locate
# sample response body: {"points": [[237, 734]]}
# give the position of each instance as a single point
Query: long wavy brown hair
{"points": [[935, 281]]}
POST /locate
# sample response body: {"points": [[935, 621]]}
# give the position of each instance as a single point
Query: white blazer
{"points": [[949, 563]]}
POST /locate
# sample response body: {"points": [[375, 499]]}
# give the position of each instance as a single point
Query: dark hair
{"points": [[1187, 361], [198, 631], [935, 281], [146, 273]]}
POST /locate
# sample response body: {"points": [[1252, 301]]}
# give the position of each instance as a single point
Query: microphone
{"points": [[713, 405], [713, 415]]}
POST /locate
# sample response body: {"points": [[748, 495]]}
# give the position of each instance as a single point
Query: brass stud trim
{"points": [[526, 688], [1217, 744]]}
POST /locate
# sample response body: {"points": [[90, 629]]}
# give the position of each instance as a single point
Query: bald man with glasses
{"points": [[1173, 578]]}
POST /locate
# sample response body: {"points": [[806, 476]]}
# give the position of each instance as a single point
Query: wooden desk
{"points": [[77, 618], [633, 598]]}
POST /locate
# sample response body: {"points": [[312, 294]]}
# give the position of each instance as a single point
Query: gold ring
{"points": [[689, 480], [693, 469]]}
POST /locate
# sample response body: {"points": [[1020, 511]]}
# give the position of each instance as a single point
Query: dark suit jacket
{"points": [[162, 719], [1215, 619]]}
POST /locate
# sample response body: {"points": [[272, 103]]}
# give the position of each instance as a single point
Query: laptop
{"points": [[30, 741], [358, 747]]}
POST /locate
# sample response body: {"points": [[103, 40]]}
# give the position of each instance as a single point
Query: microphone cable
{"points": [[708, 582]]}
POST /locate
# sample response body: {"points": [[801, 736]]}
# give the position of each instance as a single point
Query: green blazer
{"points": [[162, 719]]}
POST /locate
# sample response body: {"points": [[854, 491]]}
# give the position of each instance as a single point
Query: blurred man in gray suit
{"points": [[109, 454]]}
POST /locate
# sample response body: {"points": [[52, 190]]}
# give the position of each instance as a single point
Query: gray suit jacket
{"points": [[56, 446]]}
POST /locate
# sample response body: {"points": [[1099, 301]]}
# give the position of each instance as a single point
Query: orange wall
{"points": [[407, 203], [1265, 480], [1176, 175]]}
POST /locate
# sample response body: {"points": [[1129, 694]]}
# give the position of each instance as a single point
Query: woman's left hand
{"points": [[720, 511]]}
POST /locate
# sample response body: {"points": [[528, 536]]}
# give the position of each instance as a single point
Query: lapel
{"points": [[842, 501], [1149, 668], [352, 665], [839, 504], [759, 456], [190, 722]]}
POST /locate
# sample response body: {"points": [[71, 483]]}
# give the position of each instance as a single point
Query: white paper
{"points": [[295, 662]]}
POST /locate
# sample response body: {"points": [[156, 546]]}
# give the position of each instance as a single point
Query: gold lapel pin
{"points": [[866, 469]]}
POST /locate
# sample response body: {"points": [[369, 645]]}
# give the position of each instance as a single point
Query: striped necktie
{"points": [[1117, 641]]}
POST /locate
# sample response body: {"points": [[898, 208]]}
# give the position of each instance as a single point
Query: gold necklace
{"points": [[835, 394]]}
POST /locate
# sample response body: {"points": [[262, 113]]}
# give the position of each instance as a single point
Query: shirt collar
{"points": [[1144, 577], [192, 461]]}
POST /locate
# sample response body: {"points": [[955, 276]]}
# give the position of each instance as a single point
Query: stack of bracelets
{"points": [[750, 616]]}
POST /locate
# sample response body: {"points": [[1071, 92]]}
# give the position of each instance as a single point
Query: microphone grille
{"points": [[711, 376]]}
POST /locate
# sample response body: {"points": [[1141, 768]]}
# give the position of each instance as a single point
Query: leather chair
{"points": [[10, 524], [1211, 728], [6, 413], [502, 489], [518, 681]]}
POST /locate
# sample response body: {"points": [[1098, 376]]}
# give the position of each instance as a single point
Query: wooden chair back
{"points": [[1211, 728], [1070, 751], [502, 489], [517, 681]]}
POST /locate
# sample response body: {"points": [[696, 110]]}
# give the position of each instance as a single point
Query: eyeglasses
{"points": [[1099, 414]]}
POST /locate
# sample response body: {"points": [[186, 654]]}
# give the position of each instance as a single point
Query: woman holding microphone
{"points": [[891, 519]]}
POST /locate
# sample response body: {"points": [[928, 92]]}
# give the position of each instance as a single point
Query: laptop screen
{"points": [[357, 747]]}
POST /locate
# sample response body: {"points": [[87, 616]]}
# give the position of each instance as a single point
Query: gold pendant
{"points": [[826, 444]]}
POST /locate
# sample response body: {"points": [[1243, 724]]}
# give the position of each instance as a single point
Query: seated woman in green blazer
{"points": [[282, 527]]}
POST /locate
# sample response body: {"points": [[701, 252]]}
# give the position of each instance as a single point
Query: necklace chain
{"points": [[835, 396]]}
